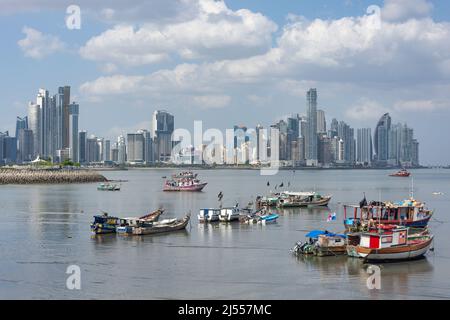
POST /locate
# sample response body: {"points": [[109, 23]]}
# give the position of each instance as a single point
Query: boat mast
{"points": [[411, 193]]}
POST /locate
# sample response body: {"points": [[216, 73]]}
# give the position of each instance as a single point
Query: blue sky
{"points": [[213, 61]]}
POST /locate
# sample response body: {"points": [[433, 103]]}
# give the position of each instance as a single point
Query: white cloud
{"points": [[215, 32], [400, 10], [37, 45], [366, 110], [211, 101], [421, 105]]}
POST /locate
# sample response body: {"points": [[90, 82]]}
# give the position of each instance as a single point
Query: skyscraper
{"points": [[122, 150], [21, 123], [135, 149], [162, 129], [312, 138], [63, 106], [321, 122], [26, 149], [82, 147], [107, 151], [381, 138], [92, 150], [364, 146], [74, 111], [148, 146], [34, 123]]}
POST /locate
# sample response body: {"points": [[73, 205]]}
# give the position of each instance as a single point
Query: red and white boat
{"points": [[401, 173], [184, 185], [387, 242]]}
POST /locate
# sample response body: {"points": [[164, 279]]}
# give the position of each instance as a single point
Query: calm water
{"points": [[44, 229]]}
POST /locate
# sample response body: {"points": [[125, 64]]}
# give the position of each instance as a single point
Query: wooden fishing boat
{"points": [[401, 173], [321, 243], [409, 213], [302, 199], [390, 242], [208, 215], [229, 214], [162, 227], [108, 187], [105, 224]]}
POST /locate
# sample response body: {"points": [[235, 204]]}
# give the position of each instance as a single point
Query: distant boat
{"points": [[302, 199], [208, 215], [401, 173], [108, 187], [392, 243], [229, 214], [185, 181], [438, 193]]}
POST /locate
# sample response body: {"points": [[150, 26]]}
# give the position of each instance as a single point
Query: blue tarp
{"points": [[316, 233]]}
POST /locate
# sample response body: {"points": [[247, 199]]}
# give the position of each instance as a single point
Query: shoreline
{"points": [[45, 176]]}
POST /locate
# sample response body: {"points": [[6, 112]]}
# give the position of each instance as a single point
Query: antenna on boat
{"points": [[411, 193]]}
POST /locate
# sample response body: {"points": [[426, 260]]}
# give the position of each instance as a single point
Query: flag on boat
{"points": [[268, 184], [331, 217], [282, 185]]}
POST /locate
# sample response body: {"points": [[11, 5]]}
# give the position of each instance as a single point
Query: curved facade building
{"points": [[381, 138]]}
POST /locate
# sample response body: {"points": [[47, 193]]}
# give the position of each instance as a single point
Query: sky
{"points": [[233, 62]]}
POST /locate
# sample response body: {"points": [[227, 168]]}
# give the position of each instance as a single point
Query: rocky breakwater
{"points": [[49, 176]]}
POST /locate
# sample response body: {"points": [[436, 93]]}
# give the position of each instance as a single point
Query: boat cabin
{"points": [[384, 237], [411, 210]]}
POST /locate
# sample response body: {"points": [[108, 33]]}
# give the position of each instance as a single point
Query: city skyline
{"points": [[264, 70], [51, 130]]}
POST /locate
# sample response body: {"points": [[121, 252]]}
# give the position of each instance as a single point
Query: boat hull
{"points": [[408, 252], [193, 188]]}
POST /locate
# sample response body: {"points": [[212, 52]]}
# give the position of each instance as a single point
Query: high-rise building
{"points": [[74, 111], [63, 106], [415, 153], [82, 147], [107, 150], [135, 149], [34, 123], [162, 129], [122, 150], [311, 138], [148, 146], [381, 138], [347, 134], [321, 122], [92, 150], [21, 123], [364, 146], [334, 127], [26, 149]]}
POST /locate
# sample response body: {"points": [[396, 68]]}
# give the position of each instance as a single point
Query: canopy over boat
{"points": [[299, 194], [316, 233]]}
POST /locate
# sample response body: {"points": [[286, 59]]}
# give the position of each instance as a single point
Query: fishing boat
{"points": [[267, 201], [401, 173], [388, 242], [208, 215], [108, 187], [184, 185], [321, 243], [167, 225], [104, 224], [409, 213], [229, 214], [302, 199], [259, 217]]}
